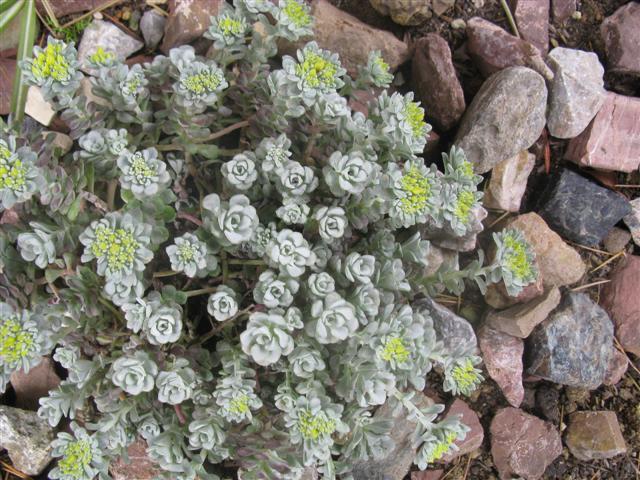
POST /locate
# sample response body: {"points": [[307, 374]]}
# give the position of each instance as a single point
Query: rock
{"points": [[26, 437], [428, 475], [188, 20], [441, 6], [521, 319], [532, 18], [110, 38], [404, 12], [502, 355], [395, 465], [594, 435], [558, 263], [612, 139], [548, 402], [492, 49], [577, 91], [344, 34], [621, 37], [432, 65], [435, 258], [444, 237], [562, 9], [61, 141], [453, 331], [574, 345], [617, 367], [139, 466], [509, 182], [458, 24], [152, 28], [505, 117], [620, 298], [474, 437], [522, 445], [11, 35], [617, 239], [62, 8], [632, 220], [37, 107], [29, 387], [498, 297], [7, 74], [579, 209]]}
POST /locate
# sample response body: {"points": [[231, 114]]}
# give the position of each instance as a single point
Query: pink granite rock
{"points": [[188, 19], [432, 65], [621, 300], [492, 48], [621, 35], [562, 9], [523, 445], [618, 366], [428, 475], [594, 435], [30, 387], [509, 182], [502, 355], [532, 18], [612, 139], [474, 437], [139, 466]]}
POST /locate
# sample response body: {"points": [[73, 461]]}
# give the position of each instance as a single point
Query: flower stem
{"points": [[165, 273], [111, 193], [200, 291], [240, 261], [226, 130]]}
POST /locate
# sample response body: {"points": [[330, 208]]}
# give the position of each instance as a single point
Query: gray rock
{"points": [[506, 116], [633, 220], [453, 331], [581, 210], [395, 465], [404, 12], [110, 38], [577, 91], [574, 345], [152, 27], [509, 182], [26, 437], [444, 237], [617, 239]]}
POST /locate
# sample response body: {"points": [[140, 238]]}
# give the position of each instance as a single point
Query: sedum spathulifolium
{"points": [[229, 260]]}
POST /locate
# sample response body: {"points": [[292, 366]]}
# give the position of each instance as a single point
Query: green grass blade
{"points": [[28, 33], [6, 4], [10, 14]]}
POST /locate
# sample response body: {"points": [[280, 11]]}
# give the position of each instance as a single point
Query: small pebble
{"points": [[458, 24]]}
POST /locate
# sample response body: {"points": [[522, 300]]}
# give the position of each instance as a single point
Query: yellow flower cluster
{"points": [[516, 258], [77, 456], [465, 201], [394, 349], [203, 82], [12, 175], [231, 27], [15, 342], [50, 63], [465, 376], [140, 169], [239, 405], [442, 448], [417, 189], [101, 57], [297, 13], [313, 426], [117, 246], [415, 117], [317, 71]]}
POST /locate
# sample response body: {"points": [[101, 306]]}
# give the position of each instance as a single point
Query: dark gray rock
{"points": [[574, 345], [581, 210], [26, 437], [506, 116], [453, 331], [152, 28]]}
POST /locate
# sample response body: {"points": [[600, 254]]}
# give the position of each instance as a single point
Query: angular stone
{"points": [[621, 37], [574, 345], [612, 139], [563, 9], [444, 237], [432, 65], [453, 331], [497, 296], [492, 49], [523, 445], [404, 12], [105, 35], [559, 264], [152, 28], [7, 74], [579, 209], [594, 435], [428, 475], [441, 6], [344, 34], [474, 437], [37, 107], [139, 466], [27, 438], [506, 116], [396, 463], [620, 298], [532, 18], [188, 19], [521, 319], [62, 8], [577, 91], [508, 182], [30, 387], [548, 402], [617, 239], [617, 367], [502, 355], [632, 220]]}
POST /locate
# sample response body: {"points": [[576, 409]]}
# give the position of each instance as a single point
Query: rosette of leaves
{"points": [[80, 456], [134, 374], [19, 175], [191, 255], [102, 148], [240, 172], [232, 222], [376, 71], [273, 290], [223, 304], [176, 385], [266, 338], [349, 174], [515, 260], [143, 173], [37, 247]]}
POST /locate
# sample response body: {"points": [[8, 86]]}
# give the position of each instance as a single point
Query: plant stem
{"points": [[112, 309], [239, 261], [226, 130], [165, 273], [200, 291], [111, 193], [191, 218], [224, 324], [512, 22]]}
